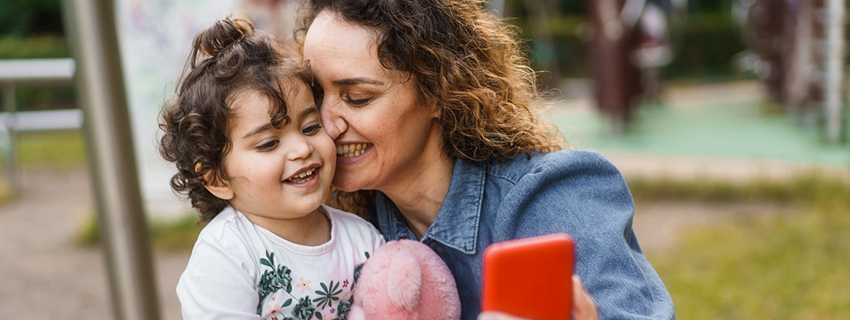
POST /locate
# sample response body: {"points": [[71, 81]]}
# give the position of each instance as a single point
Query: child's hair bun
{"points": [[223, 33]]}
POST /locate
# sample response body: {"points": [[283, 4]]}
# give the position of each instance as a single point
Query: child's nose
{"points": [[300, 148]]}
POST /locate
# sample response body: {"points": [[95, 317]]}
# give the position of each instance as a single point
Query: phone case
{"points": [[530, 277]]}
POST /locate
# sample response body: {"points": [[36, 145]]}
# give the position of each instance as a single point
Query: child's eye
{"points": [[268, 146], [311, 130]]}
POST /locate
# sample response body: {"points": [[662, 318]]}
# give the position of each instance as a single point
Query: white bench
{"points": [[32, 71]]}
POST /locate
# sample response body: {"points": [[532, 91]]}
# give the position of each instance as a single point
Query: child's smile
{"points": [[304, 178]]}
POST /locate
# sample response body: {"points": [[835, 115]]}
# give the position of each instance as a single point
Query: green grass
{"points": [[805, 188], [45, 46], [175, 236], [780, 266], [62, 149]]}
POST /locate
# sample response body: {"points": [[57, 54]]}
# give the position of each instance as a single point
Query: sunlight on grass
{"points": [[175, 236], [782, 266], [61, 149]]}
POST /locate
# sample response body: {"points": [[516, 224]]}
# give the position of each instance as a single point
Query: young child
{"points": [[245, 134]]}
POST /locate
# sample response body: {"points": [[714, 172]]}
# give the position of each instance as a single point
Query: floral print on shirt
{"points": [[328, 302]]}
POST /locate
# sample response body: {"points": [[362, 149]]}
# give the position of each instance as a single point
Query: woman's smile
{"points": [[351, 153], [352, 150]]}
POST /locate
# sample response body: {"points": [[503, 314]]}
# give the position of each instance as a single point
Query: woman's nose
{"points": [[334, 124]]}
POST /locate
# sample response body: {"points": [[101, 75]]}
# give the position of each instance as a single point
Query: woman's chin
{"points": [[343, 185]]}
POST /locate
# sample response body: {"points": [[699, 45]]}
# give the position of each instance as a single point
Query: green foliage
{"points": [[25, 17], [705, 50], [780, 266], [37, 98]]}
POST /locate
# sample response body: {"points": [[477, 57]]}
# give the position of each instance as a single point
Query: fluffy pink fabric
{"points": [[402, 280]]}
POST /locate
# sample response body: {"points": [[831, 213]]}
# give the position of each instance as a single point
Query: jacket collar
{"points": [[456, 225]]}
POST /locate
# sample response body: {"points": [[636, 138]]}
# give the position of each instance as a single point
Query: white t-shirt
{"points": [[239, 270]]}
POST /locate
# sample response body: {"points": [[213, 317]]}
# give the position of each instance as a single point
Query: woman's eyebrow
{"points": [[357, 80]]}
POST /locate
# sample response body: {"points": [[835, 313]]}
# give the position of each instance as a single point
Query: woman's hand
{"points": [[583, 306]]}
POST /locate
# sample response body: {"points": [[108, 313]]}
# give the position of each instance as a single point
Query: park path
{"points": [[43, 273]]}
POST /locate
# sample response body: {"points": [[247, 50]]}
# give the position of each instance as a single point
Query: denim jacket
{"points": [[577, 192]]}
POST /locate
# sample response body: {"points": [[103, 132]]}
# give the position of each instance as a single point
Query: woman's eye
{"points": [[268, 146], [356, 102], [311, 130]]}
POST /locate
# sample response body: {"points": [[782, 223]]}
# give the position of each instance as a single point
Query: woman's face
{"points": [[384, 135]]}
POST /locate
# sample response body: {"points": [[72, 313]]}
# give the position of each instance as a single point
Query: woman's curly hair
{"points": [[227, 59], [466, 62]]}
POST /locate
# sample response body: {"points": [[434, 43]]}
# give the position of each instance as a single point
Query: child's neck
{"points": [[311, 230]]}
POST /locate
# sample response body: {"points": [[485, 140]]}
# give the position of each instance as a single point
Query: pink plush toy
{"points": [[404, 279]]}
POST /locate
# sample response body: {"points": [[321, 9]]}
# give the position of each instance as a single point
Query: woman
{"points": [[435, 120]]}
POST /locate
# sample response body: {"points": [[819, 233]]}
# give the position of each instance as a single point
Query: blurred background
{"points": [[728, 119]]}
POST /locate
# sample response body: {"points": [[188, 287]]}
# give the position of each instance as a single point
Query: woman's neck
{"points": [[420, 195]]}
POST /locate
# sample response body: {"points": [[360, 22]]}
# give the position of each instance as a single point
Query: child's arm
{"points": [[217, 284]]}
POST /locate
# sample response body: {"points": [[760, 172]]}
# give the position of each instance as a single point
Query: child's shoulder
{"points": [[225, 243], [227, 229]]}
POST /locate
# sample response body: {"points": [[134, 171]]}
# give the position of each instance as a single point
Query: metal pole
{"points": [[91, 26], [11, 157], [834, 69]]}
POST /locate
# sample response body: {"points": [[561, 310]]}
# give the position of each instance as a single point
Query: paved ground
{"points": [[42, 272]]}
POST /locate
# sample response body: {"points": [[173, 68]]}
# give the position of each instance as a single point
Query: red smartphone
{"points": [[530, 277]]}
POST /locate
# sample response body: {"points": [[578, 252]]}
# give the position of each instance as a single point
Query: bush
{"points": [[705, 50]]}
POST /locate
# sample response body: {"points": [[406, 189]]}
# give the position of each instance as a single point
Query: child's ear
{"points": [[214, 185]]}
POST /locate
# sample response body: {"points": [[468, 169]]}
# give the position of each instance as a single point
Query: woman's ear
{"points": [[436, 111], [220, 189]]}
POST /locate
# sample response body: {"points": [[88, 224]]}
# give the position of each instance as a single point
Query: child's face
{"points": [[278, 174]]}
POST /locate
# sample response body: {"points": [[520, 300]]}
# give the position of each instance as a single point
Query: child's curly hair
{"points": [[227, 58]]}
